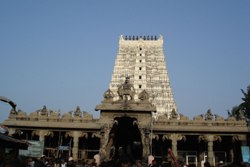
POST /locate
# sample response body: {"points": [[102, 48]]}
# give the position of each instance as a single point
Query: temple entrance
{"points": [[126, 138]]}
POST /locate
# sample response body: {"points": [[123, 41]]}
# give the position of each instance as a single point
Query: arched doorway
{"points": [[126, 138]]}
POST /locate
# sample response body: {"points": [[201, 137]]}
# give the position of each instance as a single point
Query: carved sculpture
{"points": [[183, 117], [33, 115], [209, 115], [67, 116], [126, 90], [218, 118], [54, 114], [143, 96], [44, 111], [162, 118], [108, 95], [77, 112], [198, 117], [21, 114], [87, 116], [174, 114], [231, 118]]}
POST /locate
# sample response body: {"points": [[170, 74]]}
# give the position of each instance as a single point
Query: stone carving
{"points": [[198, 117], [231, 118], [209, 116], [13, 112], [87, 116], [183, 117], [34, 115], [126, 90], [98, 135], [44, 111], [218, 118], [42, 133], [108, 95], [154, 136], [21, 114], [143, 96], [77, 112], [54, 114], [162, 118], [209, 138], [67, 116], [174, 114], [239, 138], [174, 136]]}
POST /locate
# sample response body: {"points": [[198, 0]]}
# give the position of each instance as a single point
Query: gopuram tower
{"points": [[141, 58]]}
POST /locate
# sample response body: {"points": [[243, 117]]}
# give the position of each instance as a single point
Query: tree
{"points": [[245, 105], [235, 112]]}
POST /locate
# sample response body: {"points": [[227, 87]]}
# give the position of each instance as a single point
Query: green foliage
{"points": [[235, 112], [245, 105]]}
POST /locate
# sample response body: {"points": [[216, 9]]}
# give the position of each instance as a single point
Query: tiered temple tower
{"points": [[141, 58]]}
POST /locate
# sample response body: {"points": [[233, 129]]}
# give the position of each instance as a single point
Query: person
{"points": [[191, 165], [154, 163], [220, 164], [71, 162], [125, 161], [207, 164], [63, 163], [138, 163]]}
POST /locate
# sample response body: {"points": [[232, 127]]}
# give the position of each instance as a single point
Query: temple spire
{"points": [[142, 59]]}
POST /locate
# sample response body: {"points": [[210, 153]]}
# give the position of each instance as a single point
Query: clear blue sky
{"points": [[61, 53]]}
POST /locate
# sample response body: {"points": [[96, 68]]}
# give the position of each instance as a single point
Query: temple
{"points": [[142, 59], [126, 125]]}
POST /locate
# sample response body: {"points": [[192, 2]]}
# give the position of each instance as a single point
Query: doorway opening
{"points": [[126, 138]]}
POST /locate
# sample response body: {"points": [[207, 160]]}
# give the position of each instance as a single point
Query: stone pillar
{"points": [[42, 134], [75, 135], [75, 146], [210, 139], [210, 152], [174, 138], [242, 139], [145, 137], [104, 133], [237, 140], [231, 154]]}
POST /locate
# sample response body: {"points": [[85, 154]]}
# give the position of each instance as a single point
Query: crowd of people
{"points": [[122, 162]]}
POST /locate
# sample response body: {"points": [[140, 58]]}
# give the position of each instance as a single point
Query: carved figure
{"points": [[87, 116], [21, 114], [126, 90], [78, 112], [162, 118], [198, 117], [144, 96], [54, 114], [67, 116], [231, 118], [13, 112], [108, 95], [33, 114], [219, 118], [209, 115], [174, 114], [44, 111], [183, 117]]}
